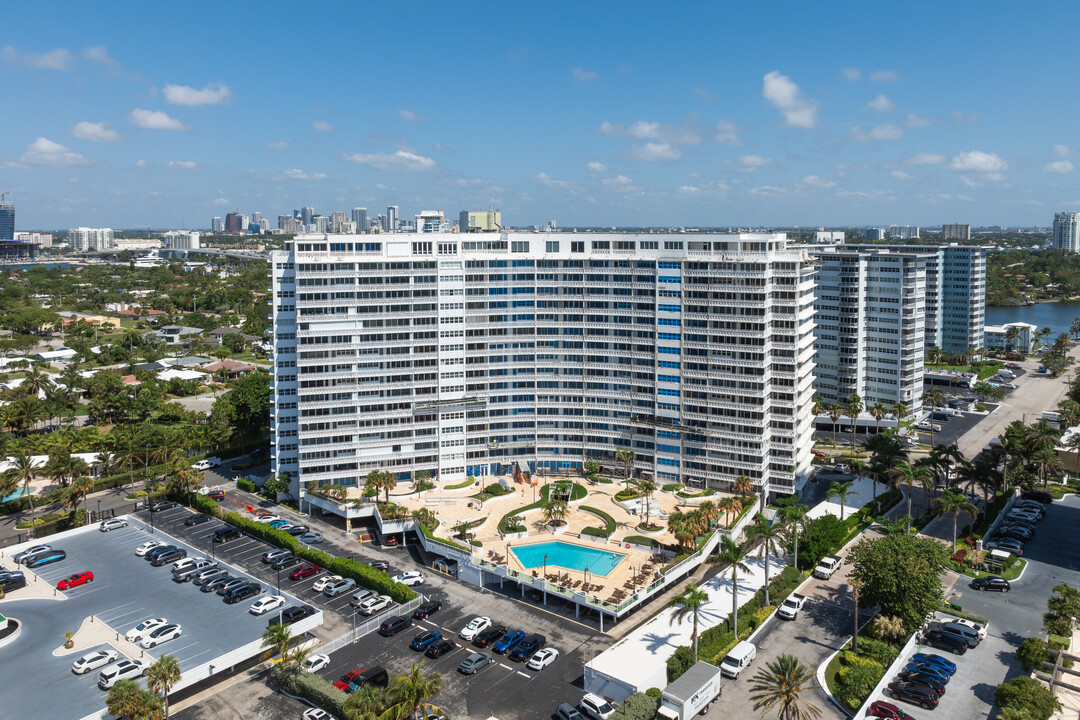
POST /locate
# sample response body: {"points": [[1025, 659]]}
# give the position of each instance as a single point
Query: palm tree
{"points": [[1046, 461], [162, 675], [1073, 443], [681, 529], [954, 503], [410, 691], [904, 474], [127, 699], [709, 511], [689, 603], [627, 457], [647, 486], [933, 354], [818, 406], [840, 490], [936, 399], [771, 538], [727, 505], [835, 412], [735, 555], [900, 410], [878, 411], [78, 490], [795, 517], [555, 508], [276, 640], [853, 408], [779, 685], [22, 471], [743, 486]]}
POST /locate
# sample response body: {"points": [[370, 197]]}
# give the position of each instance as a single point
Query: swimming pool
{"points": [[569, 556], [15, 495]]}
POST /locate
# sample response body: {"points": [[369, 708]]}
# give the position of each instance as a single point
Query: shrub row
{"points": [[312, 687], [641, 540], [672, 487], [246, 485], [628, 494], [460, 485], [610, 521]]}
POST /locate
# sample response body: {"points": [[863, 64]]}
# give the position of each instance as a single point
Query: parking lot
{"points": [[126, 590]]}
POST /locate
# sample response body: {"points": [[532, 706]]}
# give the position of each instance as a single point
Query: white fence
{"points": [[370, 625]]}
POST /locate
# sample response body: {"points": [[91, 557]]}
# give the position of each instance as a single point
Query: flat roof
{"points": [[692, 680]]}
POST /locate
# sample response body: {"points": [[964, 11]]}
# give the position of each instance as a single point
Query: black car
{"points": [[215, 585], [525, 649], [297, 530], [427, 609], [242, 592], [168, 557], [945, 641], [380, 565], [45, 558], [1038, 496], [234, 583], [489, 636], [226, 534], [918, 678], [916, 694], [12, 581], [162, 505], [285, 561], [292, 614], [1016, 533], [999, 584], [197, 520], [393, 626], [161, 550], [437, 649]]}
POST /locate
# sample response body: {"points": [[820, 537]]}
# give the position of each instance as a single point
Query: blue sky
{"points": [[134, 114]]}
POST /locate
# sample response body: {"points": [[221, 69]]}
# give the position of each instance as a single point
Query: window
{"points": [[552, 246], [577, 246], [519, 246]]}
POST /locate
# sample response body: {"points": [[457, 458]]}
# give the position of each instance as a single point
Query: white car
{"points": [[315, 663], [412, 577], [924, 425], [542, 658], [317, 714], [375, 604], [148, 546], [161, 635], [266, 603], [311, 537], [93, 661], [122, 670], [339, 586], [140, 631], [476, 626], [267, 518], [979, 628], [321, 584], [210, 462], [112, 524]]}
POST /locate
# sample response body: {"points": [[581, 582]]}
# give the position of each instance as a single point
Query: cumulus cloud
{"points": [[597, 167], [879, 132], [914, 120], [99, 53], [58, 59], [748, 163], [322, 126], [655, 152], [296, 174], [900, 175], [46, 152], [818, 183], [277, 145], [687, 133], [401, 161], [881, 103], [156, 120], [94, 132], [852, 74], [141, 164], [1062, 150], [409, 115], [798, 111], [978, 161], [213, 94], [926, 159], [1058, 166], [727, 133], [583, 75], [182, 164], [884, 76], [703, 94], [619, 183], [545, 179]]}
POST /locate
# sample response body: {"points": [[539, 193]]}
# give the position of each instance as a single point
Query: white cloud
{"points": [[99, 53], [409, 115], [978, 161], [655, 152], [597, 167], [879, 132], [182, 164], [687, 133], [900, 175], [401, 161], [798, 111], [1062, 150], [47, 152], [94, 132], [727, 133], [545, 179], [767, 191], [688, 190], [881, 103], [220, 202], [59, 59], [277, 145], [866, 194], [296, 174], [156, 120], [619, 183], [852, 74], [583, 75], [748, 163], [914, 120], [818, 183], [884, 76], [926, 159], [962, 118], [322, 126], [141, 164], [1058, 166], [703, 94], [213, 94]]}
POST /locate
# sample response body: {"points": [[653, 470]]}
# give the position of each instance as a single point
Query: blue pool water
{"points": [[569, 556], [14, 496]]}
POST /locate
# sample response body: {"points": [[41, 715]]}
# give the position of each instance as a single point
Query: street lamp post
{"points": [[545, 567], [279, 580], [99, 509]]}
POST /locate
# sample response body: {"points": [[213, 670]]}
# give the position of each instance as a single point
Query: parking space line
{"points": [[505, 666], [525, 675]]}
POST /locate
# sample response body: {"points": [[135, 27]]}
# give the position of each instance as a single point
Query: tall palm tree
{"points": [[795, 517], [819, 405], [853, 408], [771, 538], [1046, 461], [22, 471], [841, 490], [162, 675], [878, 411], [900, 410], [835, 412], [710, 511], [935, 398], [734, 555], [409, 692], [627, 456], [954, 503], [903, 473], [647, 486], [779, 686], [77, 492], [727, 505], [743, 486], [681, 529], [689, 603], [276, 640]]}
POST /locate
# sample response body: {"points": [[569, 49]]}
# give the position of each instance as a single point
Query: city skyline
{"points": [[704, 116]]}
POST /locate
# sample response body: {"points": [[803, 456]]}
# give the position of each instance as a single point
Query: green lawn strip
{"points": [[460, 485], [611, 524]]}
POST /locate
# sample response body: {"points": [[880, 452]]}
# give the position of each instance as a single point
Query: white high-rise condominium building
{"points": [[337, 219], [91, 239], [359, 216], [181, 240], [217, 226], [956, 231], [870, 326], [470, 354], [391, 218], [1067, 231]]}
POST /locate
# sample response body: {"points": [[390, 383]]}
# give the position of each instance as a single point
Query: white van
{"points": [[738, 659], [210, 462]]}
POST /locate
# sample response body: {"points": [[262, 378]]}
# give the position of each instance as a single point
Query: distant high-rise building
{"points": [[181, 240], [382, 222], [42, 239], [256, 218], [904, 232], [359, 216], [1067, 231], [217, 226], [235, 223], [7, 221], [321, 223], [90, 239], [828, 237], [481, 221], [956, 231], [337, 219], [392, 218], [306, 214], [874, 233], [429, 221], [282, 220]]}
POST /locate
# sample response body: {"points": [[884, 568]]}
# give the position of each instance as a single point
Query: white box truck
{"points": [[691, 693]]}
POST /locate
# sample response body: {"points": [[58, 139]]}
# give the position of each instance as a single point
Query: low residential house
{"points": [[175, 374], [231, 368], [174, 334], [218, 333], [1001, 337], [133, 313], [59, 355], [188, 361], [67, 317], [130, 380]]}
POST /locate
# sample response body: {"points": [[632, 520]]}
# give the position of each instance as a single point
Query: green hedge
{"points": [[642, 540], [628, 494], [611, 525], [504, 528], [362, 573], [460, 485], [594, 531], [672, 487], [312, 687], [248, 485]]}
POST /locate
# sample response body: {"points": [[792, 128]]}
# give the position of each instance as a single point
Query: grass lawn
{"points": [[1011, 574]]}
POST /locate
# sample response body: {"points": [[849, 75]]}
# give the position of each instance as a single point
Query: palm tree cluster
{"points": [[687, 527]]}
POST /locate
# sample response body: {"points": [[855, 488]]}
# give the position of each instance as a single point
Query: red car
{"points": [[345, 680], [304, 571], [75, 580], [216, 494], [817, 453], [390, 540], [888, 711]]}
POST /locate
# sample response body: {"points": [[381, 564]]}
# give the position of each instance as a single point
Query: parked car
{"points": [[996, 583], [148, 546], [161, 635], [920, 695], [72, 581], [375, 604], [524, 649], [321, 584], [123, 670], [208, 574], [270, 555], [315, 663], [380, 565], [304, 571], [316, 714], [266, 603], [296, 530], [227, 533], [474, 662], [928, 426], [242, 592], [931, 659], [139, 632], [566, 711], [112, 524], [197, 520], [489, 636], [218, 495], [188, 570], [410, 578], [45, 558], [1039, 496], [945, 641], [21, 557], [476, 626], [930, 670], [345, 680], [393, 626], [215, 584], [507, 642], [887, 711], [311, 538], [291, 614], [543, 658], [341, 585], [596, 707], [12, 580], [285, 561], [918, 678], [231, 585], [163, 505], [375, 675], [440, 648], [269, 518], [93, 661], [207, 463], [160, 550], [427, 609], [1007, 544], [279, 524], [169, 557], [424, 639]]}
